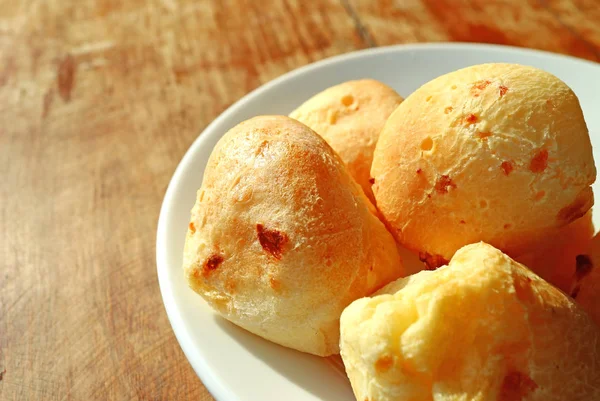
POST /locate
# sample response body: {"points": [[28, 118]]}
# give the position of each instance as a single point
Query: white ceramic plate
{"points": [[233, 364]]}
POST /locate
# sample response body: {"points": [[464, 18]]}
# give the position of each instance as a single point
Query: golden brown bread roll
{"points": [[484, 328], [495, 152], [350, 117], [281, 238]]}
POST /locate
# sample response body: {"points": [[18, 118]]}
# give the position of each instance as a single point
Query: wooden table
{"points": [[99, 100]]}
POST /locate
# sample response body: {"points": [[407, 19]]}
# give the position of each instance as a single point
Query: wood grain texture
{"points": [[99, 99], [562, 26]]}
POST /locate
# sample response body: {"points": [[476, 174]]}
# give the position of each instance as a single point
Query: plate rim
{"points": [[212, 382]]}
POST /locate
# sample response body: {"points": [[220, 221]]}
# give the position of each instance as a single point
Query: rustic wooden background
{"points": [[99, 100]]}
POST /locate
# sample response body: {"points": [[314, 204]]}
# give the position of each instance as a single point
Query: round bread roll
{"points": [[281, 238], [495, 152], [482, 328], [350, 117]]}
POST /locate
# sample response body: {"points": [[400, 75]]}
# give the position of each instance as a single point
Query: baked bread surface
{"points": [[483, 328], [281, 238], [350, 116], [495, 152]]}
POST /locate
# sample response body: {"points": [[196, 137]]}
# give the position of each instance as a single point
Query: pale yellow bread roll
{"points": [[495, 152], [350, 117], [281, 238], [484, 328]]}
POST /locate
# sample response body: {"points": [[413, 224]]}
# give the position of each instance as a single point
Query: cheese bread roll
{"points": [[281, 237], [495, 152], [483, 328], [350, 117]]}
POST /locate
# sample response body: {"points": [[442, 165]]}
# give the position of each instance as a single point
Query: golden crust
{"points": [[350, 116], [495, 152], [281, 238], [482, 328]]}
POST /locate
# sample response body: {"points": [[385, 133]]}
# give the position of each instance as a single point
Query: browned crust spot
{"points": [[371, 181], [347, 100], [272, 241], [211, 264], [448, 110], [432, 262], [572, 212], [502, 89], [419, 171], [260, 151], [516, 386], [192, 227], [507, 167], [483, 135], [478, 87], [274, 283], [463, 222], [443, 183], [471, 119], [332, 116], [583, 266], [384, 364], [539, 195], [539, 162]]}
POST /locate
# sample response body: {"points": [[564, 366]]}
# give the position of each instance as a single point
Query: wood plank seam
{"points": [[363, 32]]}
